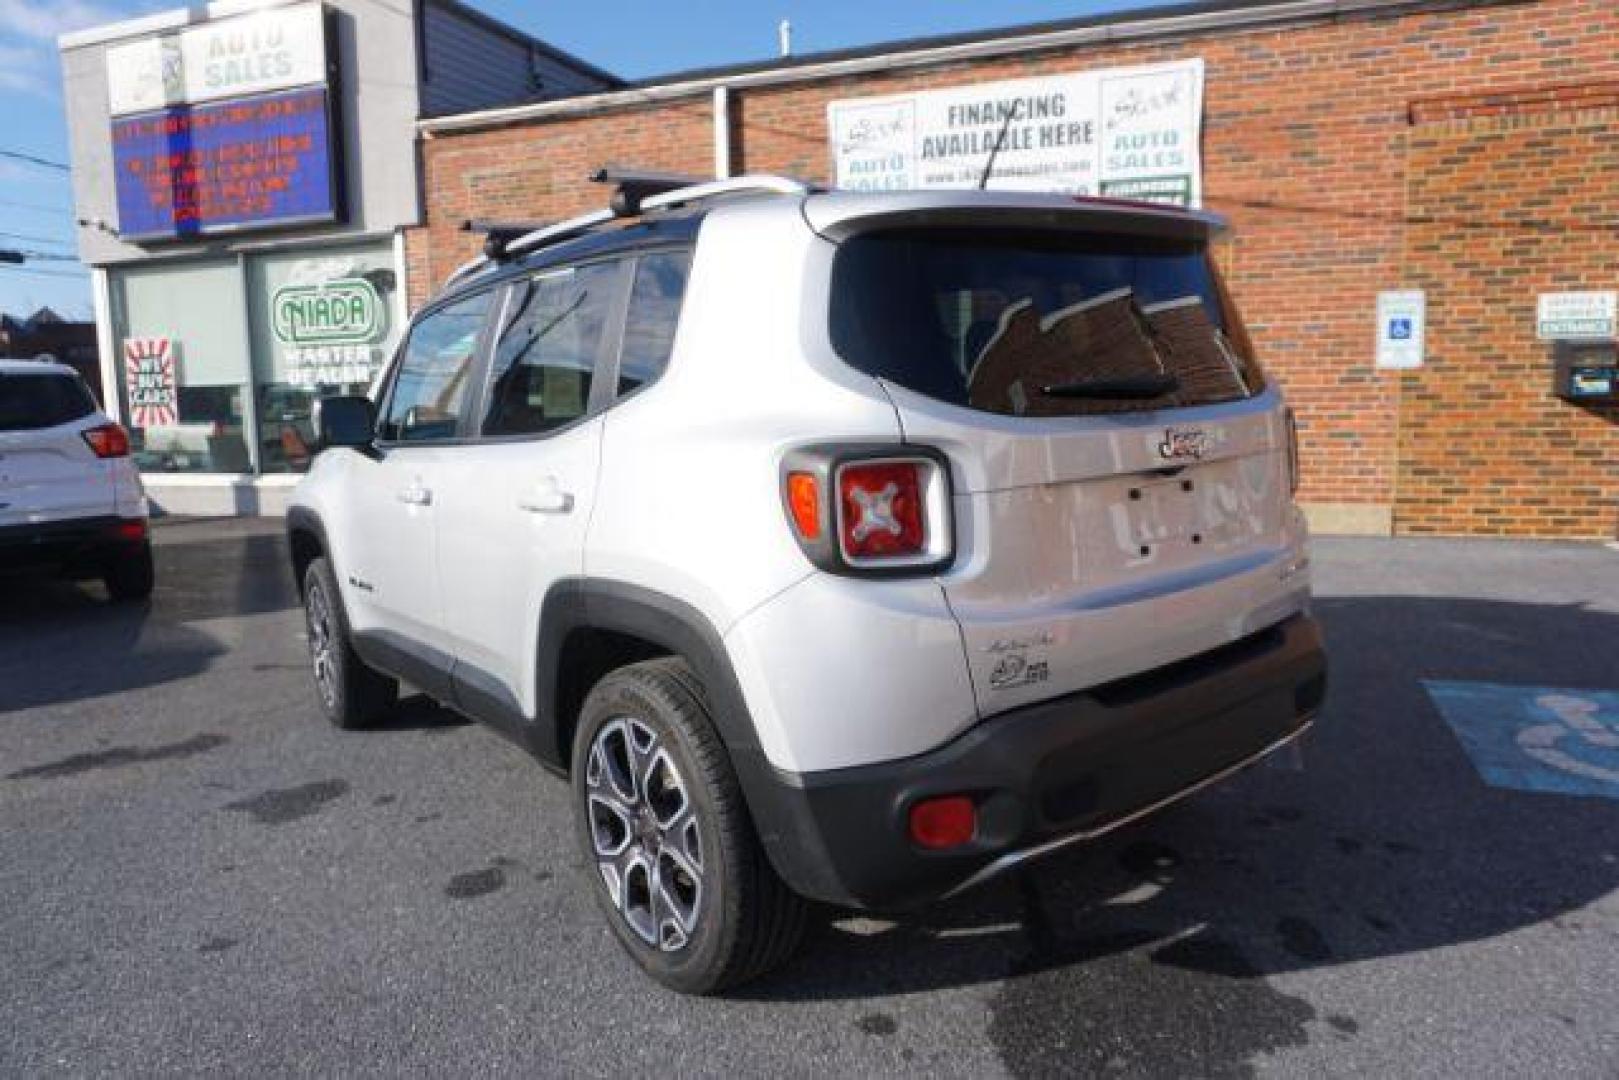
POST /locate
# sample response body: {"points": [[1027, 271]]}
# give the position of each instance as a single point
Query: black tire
{"points": [[351, 694], [128, 575], [744, 920]]}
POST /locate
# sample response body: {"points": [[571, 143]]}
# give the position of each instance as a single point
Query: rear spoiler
{"points": [[840, 215]]}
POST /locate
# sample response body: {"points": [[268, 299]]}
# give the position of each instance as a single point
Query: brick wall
{"points": [[1503, 206], [1307, 134]]}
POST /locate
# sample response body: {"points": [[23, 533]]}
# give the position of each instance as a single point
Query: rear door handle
{"points": [[415, 495], [546, 498]]}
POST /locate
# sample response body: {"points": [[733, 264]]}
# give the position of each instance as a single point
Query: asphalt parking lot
{"points": [[197, 874]]}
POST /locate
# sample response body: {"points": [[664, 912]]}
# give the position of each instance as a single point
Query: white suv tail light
{"points": [[870, 510], [107, 441]]}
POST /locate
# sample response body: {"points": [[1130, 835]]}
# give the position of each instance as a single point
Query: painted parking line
{"points": [[1536, 738]]}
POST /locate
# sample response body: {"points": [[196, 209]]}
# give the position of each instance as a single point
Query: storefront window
{"points": [[184, 356], [323, 323]]}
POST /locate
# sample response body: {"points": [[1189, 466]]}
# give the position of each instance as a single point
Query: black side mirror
{"points": [[345, 421]]}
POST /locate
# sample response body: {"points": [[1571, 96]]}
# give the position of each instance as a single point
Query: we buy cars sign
{"points": [[150, 378]]}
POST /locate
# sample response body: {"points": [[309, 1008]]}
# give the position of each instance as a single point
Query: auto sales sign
{"points": [[1129, 133]]}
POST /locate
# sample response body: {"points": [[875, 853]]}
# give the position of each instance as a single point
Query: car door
{"points": [[390, 575], [517, 501]]}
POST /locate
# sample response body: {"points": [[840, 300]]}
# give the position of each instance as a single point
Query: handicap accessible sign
{"points": [[1536, 738]]}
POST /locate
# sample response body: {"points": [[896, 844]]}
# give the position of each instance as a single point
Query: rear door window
{"points": [[30, 401], [1040, 324]]}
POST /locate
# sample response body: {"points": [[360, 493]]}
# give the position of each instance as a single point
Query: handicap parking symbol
{"points": [[1536, 738], [1400, 329]]}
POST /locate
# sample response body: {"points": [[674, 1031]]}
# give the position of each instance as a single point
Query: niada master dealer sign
{"points": [[1131, 133], [330, 331]]}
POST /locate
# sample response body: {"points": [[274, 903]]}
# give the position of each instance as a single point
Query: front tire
{"points": [[351, 694], [673, 858]]}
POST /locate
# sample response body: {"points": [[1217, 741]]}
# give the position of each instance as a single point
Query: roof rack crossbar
{"points": [[638, 191]]}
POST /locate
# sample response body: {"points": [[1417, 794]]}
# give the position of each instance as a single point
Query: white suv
{"points": [[71, 501], [837, 546]]}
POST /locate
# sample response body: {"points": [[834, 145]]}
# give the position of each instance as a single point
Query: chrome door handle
{"points": [[548, 499], [415, 495]]}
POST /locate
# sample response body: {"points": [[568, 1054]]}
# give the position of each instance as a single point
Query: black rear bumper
{"points": [[76, 547], [1066, 768]]}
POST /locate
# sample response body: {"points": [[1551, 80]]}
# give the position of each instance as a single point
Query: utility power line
{"points": [[43, 273], [30, 159]]}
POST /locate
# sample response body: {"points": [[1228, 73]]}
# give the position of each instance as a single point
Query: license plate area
{"points": [[1154, 516]]}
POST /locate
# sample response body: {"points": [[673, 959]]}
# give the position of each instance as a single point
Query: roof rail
{"points": [[638, 192]]}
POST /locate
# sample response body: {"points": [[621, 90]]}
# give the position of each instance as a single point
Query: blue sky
{"points": [[634, 38]]}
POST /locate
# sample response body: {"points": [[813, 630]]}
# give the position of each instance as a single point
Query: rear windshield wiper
{"points": [[1124, 388]]}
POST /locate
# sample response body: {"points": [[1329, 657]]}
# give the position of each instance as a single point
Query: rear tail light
{"points": [[133, 529], [880, 511], [108, 441], [949, 821], [869, 509], [1292, 452]]}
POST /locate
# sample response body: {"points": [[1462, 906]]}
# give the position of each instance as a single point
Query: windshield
{"points": [[29, 401], [1040, 324]]}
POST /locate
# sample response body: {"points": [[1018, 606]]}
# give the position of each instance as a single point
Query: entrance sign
{"points": [[229, 166], [1131, 133], [1577, 315], [1402, 318], [149, 375], [273, 49]]}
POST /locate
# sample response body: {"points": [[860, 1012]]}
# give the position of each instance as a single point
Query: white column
{"points": [[722, 132], [108, 352]]}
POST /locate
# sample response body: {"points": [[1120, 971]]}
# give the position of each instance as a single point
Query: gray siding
{"points": [[472, 66]]}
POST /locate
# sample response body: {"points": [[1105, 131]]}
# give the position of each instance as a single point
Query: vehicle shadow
{"points": [[62, 642], [1386, 843]]}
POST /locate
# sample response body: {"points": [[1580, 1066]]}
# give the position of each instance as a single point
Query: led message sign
{"points": [[258, 162]]}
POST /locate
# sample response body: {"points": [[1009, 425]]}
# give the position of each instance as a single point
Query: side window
{"points": [[649, 331], [546, 359], [432, 383]]}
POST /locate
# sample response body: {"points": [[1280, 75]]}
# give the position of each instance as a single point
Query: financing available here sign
{"points": [[1129, 133]]}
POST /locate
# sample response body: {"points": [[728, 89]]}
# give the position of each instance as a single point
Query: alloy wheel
{"points": [[318, 614], [645, 834]]}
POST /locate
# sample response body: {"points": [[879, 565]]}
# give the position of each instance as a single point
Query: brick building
{"points": [[1468, 149]]}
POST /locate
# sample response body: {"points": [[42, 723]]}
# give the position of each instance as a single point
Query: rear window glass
{"points": [[40, 401], [1040, 324]]}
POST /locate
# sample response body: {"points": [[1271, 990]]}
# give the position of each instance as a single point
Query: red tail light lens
{"points": [[134, 529], [108, 441], [881, 513], [1292, 452], [946, 822]]}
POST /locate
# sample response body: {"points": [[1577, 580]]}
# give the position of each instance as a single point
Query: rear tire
{"points": [[129, 575], [352, 695], [672, 854]]}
